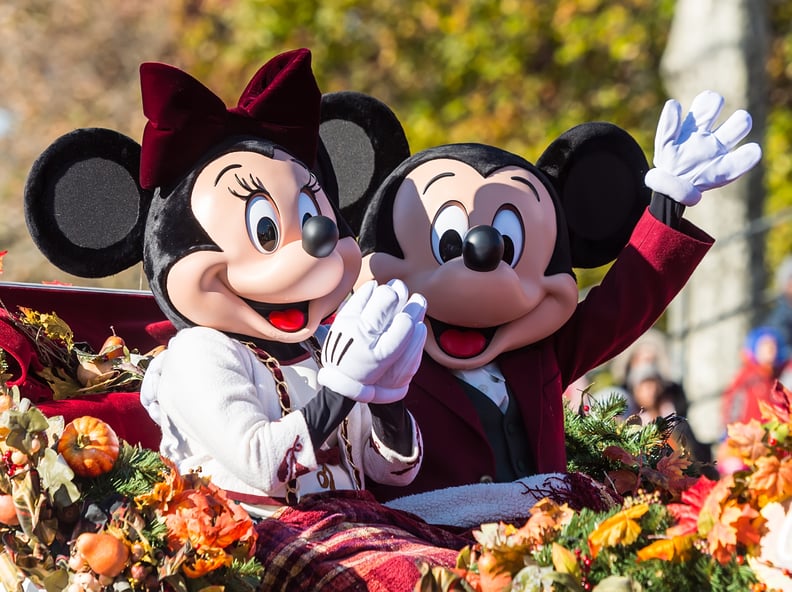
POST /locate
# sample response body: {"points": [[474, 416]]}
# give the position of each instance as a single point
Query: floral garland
{"points": [[81, 510], [672, 532], [73, 369]]}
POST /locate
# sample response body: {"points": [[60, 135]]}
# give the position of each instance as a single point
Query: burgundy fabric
{"points": [[161, 331], [280, 104], [122, 411], [650, 271], [90, 313], [346, 541], [22, 360]]}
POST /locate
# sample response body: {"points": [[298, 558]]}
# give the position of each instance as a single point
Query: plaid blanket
{"points": [[347, 541]]}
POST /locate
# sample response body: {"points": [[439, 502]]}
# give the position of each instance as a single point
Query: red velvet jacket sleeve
{"points": [[649, 272]]}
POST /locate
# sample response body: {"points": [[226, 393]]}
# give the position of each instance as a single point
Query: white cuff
{"points": [[341, 383], [676, 188], [384, 394]]}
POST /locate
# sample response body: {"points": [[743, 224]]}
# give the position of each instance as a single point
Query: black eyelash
{"points": [[253, 186], [313, 183]]}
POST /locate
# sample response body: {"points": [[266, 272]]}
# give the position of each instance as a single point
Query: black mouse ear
{"points": [[363, 141], [598, 171], [83, 205]]}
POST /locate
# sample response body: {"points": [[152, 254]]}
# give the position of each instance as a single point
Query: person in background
{"points": [[650, 349], [651, 395], [765, 357], [780, 316]]}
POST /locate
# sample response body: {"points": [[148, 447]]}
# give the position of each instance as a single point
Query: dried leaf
{"points": [[778, 405], [63, 386], [564, 561], [618, 453], [677, 549], [673, 469], [624, 481], [440, 579], [58, 478], [619, 529], [27, 496], [10, 575], [772, 479], [546, 518], [746, 440]]}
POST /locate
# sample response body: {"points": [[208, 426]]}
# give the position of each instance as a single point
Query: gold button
{"points": [[486, 479]]}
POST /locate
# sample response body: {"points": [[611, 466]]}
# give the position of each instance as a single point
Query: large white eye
{"points": [[448, 230], [508, 222], [307, 206], [262, 224]]}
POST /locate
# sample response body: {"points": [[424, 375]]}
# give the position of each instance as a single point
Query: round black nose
{"points": [[483, 248], [319, 236]]}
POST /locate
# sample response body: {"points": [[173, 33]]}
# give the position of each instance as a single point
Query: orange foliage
{"points": [[772, 479], [546, 518], [205, 519], [619, 529], [746, 441]]}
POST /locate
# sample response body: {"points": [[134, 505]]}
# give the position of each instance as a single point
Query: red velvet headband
{"points": [[185, 119]]}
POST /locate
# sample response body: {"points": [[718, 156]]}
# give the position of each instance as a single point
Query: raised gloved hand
{"points": [[376, 327], [691, 157]]}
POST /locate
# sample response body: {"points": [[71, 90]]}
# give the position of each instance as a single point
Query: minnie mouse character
{"points": [[491, 240], [247, 255]]}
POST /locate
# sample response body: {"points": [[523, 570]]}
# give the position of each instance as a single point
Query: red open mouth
{"points": [[289, 318], [461, 342]]}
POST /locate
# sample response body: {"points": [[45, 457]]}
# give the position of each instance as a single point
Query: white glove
{"points": [[370, 334], [393, 384], [690, 157]]}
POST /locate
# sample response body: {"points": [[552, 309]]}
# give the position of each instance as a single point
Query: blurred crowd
{"points": [[651, 386]]}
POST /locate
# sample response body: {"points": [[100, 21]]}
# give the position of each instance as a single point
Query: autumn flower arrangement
{"points": [[678, 527], [82, 511], [71, 368]]}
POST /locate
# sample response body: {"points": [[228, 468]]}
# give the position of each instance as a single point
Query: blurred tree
{"points": [[503, 72], [67, 64], [721, 302], [778, 142], [506, 72]]}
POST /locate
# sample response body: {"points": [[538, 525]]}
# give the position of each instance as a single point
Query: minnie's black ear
{"points": [[364, 141], [598, 171], [83, 205]]}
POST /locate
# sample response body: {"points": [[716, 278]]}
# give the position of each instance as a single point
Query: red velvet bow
{"points": [[185, 119]]}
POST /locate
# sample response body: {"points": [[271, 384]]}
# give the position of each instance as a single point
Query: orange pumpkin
{"points": [[89, 446], [104, 553]]}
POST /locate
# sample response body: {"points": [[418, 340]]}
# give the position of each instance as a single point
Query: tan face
{"points": [[262, 282], [476, 315]]}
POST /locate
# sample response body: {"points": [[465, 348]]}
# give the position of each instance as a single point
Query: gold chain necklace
{"points": [[282, 388]]}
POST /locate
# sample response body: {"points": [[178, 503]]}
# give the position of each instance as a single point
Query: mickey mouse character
{"points": [[491, 239], [247, 255]]}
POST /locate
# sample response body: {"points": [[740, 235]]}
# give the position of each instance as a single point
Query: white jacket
{"points": [[219, 412]]}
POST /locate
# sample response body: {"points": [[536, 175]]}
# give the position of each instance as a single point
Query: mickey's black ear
{"points": [[364, 142], [598, 170], [83, 205]]}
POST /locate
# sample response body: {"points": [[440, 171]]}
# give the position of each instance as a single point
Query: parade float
{"points": [[258, 415], [83, 509]]}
